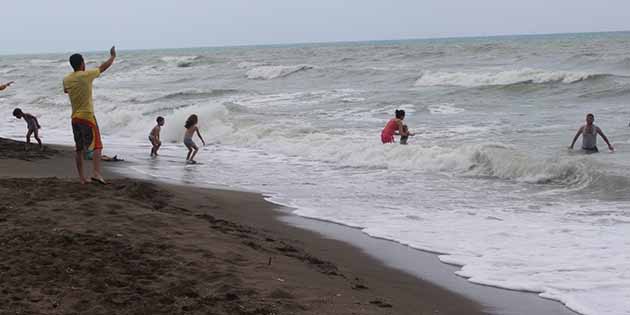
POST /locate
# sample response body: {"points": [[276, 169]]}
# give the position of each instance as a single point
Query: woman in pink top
{"points": [[395, 126]]}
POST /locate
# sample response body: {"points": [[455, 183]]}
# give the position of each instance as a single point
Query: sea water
{"points": [[487, 181]]}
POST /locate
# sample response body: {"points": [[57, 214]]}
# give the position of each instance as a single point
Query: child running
{"points": [[33, 126], [154, 136], [191, 128]]}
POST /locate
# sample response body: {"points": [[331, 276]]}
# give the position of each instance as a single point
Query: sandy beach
{"points": [[135, 247]]}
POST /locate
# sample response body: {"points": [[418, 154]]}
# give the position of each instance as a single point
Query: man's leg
{"points": [[79, 163], [96, 163], [82, 138], [98, 148]]}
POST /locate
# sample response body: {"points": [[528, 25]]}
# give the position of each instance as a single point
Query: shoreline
{"points": [[423, 265], [404, 278], [427, 266], [138, 246], [416, 270], [493, 299]]}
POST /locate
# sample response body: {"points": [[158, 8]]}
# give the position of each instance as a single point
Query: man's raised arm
{"points": [[110, 61]]}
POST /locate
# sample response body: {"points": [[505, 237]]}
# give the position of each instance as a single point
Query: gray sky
{"points": [[33, 26]]}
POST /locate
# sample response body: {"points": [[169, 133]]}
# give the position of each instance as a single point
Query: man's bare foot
{"points": [[99, 180], [85, 181]]}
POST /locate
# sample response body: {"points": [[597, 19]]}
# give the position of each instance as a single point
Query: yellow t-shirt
{"points": [[78, 85]]}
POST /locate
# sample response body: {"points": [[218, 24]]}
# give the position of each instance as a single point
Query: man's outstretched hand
{"points": [[110, 61]]}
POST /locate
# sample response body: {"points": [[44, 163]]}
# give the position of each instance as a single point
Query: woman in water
{"points": [[395, 126]]}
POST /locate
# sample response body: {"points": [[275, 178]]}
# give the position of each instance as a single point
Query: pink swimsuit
{"points": [[387, 135]]}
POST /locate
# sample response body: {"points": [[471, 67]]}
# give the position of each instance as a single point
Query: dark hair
{"points": [[160, 118], [76, 61], [191, 121], [17, 112], [400, 113], [590, 114]]}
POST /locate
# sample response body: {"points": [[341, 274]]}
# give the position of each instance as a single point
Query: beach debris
{"points": [[359, 287], [281, 294], [231, 296], [380, 303], [287, 249], [252, 245]]}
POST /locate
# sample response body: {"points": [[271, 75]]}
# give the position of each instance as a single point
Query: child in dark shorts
{"points": [[403, 139], [154, 136], [32, 125]]}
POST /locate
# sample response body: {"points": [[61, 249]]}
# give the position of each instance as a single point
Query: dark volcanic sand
{"points": [[134, 247]]}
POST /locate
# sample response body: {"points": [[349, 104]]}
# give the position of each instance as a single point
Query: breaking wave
{"points": [[187, 61], [509, 77], [188, 95], [274, 72], [250, 64]]}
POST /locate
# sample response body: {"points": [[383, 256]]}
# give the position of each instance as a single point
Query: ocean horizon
{"points": [[333, 42]]}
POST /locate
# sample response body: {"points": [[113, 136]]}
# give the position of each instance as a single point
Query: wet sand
{"points": [[136, 247]]}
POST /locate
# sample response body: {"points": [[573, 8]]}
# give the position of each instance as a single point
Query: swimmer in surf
{"points": [[589, 134]]}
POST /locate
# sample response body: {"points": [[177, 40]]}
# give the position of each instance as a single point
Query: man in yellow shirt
{"points": [[78, 86]]}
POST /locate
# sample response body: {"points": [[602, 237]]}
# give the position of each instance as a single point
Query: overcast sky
{"points": [[33, 26]]}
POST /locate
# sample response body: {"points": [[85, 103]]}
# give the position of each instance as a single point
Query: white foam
{"points": [[495, 160], [353, 99], [274, 72], [444, 109], [46, 61], [474, 79], [210, 116], [250, 64], [179, 59], [8, 70]]}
